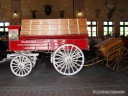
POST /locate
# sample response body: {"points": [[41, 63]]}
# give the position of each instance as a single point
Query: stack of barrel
{"points": [[39, 27]]}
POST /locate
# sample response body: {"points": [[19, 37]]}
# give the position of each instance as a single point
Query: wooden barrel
{"points": [[39, 27]]}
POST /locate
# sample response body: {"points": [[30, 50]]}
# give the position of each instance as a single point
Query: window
{"points": [[108, 28], [124, 28], [92, 28], [4, 26]]}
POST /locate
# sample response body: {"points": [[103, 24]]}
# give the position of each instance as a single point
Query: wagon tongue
{"points": [[4, 60]]}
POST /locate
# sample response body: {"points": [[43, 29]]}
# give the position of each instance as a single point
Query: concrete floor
{"points": [[44, 80]]}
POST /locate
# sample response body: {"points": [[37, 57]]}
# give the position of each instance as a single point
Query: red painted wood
{"points": [[55, 37], [45, 44]]}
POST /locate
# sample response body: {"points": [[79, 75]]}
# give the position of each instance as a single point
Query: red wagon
{"points": [[64, 38]]}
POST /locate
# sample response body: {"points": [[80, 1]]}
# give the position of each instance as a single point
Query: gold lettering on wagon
{"points": [[30, 48], [28, 41]]}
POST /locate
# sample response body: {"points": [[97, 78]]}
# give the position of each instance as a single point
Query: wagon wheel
{"points": [[32, 58], [117, 59], [21, 65], [68, 59]]}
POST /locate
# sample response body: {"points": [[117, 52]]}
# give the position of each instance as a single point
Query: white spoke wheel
{"points": [[68, 59], [21, 65], [117, 59]]}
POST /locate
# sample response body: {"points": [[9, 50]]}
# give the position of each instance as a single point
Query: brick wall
{"points": [[67, 5], [92, 5], [5, 10], [56, 5]]}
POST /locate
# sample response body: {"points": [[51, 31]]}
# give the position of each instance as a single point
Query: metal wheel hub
{"points": [[21, 66], [69, 60], [119, 58]]}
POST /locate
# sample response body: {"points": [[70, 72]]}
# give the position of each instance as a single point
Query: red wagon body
{"points": [[26, 40], [47, 42]]}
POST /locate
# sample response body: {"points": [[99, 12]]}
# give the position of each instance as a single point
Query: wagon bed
{"points": [[48, 34]]}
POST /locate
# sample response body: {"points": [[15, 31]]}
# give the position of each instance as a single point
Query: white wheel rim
{"points": [[68, 59], [21, 65]]}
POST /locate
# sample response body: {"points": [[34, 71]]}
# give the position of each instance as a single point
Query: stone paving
{"points": [[44, 80]]}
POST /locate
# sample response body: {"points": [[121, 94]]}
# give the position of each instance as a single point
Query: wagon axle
{"points": [[21, 66]]}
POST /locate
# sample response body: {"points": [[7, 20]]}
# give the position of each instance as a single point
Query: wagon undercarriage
{"points": [[67, 59]]}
